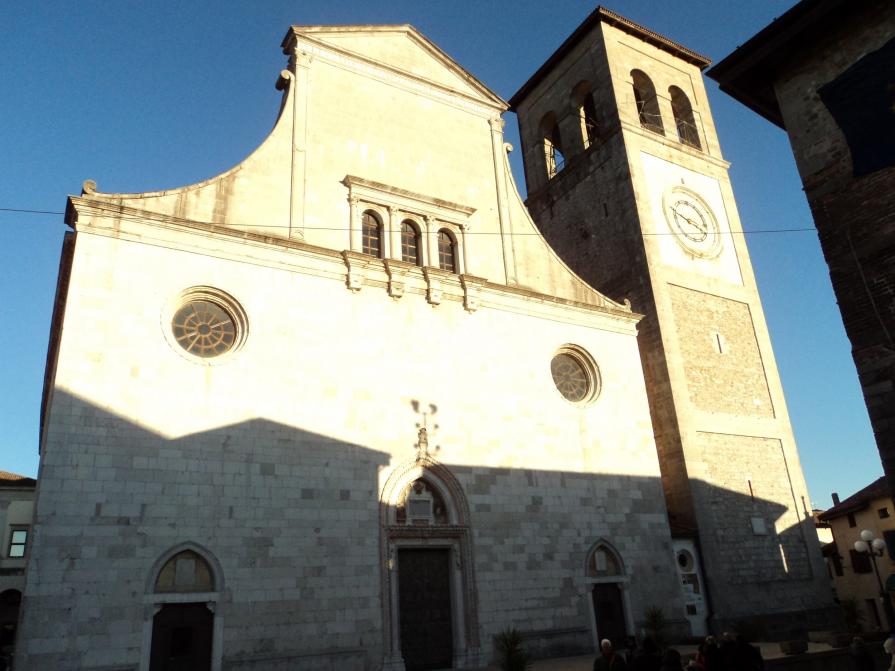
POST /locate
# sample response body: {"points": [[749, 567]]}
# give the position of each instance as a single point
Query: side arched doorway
{"points": [[430, 612], [181, 631], [607, 583]]}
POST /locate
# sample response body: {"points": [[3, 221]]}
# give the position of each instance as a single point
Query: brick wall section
{"points": [[731, 505], [730, 381], [855, 217]]}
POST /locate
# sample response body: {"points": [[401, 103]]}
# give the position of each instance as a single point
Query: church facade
{"points": [[344, 406]]}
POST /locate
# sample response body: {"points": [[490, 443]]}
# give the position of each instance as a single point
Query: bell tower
{"points": [[626, 180]]}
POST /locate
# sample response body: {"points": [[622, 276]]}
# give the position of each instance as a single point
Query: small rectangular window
{"points": [[759, 528], [860, 562], [851, 520], [18, 539], [883, 513]]}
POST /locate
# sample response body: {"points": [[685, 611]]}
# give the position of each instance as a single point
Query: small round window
{"points": [[575, 375], [204, 328], [207, 323]]}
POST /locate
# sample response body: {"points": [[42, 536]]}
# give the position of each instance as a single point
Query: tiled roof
{"points": [[8, 479], [857, 501]]}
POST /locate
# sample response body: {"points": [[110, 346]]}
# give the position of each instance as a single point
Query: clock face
{"points": [[692, 222]]}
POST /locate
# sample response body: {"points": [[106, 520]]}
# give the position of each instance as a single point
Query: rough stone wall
{"points": [[721, 358], [855, 217]]}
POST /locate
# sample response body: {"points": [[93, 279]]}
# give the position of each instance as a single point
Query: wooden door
{"points": [[610, 613], [181, 638], [424, 603]]}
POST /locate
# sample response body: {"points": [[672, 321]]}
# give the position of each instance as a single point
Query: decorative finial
{"points": [[88, 187]]}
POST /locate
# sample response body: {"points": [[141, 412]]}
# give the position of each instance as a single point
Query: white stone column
{"points": [[392, 250], [354, 232], [431, 242]]}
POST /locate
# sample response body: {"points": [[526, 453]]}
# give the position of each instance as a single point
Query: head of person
{"points": [[606, 647], [889, 646], [710, 641], [727, 637]]}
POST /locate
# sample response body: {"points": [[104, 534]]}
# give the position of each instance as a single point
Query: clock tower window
{"points": [[683, 118], [647, 102], [553, 149]]}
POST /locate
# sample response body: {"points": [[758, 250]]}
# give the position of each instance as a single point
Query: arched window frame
{"points": [[685, 122], [366, 239], [418, 237], [554, 156], [446, 234], [604, 546], [647, 102], [156, 600], [583, 104]]}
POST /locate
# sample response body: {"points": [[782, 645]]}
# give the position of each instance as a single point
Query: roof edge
{"points": [[603, 15]]}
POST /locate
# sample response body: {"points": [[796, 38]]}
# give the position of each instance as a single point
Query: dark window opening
{"points": [[587, 113], [683, 118], [371, 238], [647, 102], [447, 256], [883, 513], [851, 520], [860, 562], [553, 148], [410, 243]]}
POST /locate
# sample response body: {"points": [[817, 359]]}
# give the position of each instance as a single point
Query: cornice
{"points": [[357, 271]]}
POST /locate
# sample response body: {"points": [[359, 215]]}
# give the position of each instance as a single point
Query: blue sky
{"points": [[143, 96]]}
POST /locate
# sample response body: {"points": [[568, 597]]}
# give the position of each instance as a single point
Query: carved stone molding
{"points": [[397, 276], [472, 287], [434, 288], [357, 265]]}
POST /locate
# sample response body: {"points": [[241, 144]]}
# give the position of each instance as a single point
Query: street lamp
{"points": [[875, 547]]}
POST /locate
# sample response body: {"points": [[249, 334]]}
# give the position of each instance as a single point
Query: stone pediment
{"points": [[401, 48]]}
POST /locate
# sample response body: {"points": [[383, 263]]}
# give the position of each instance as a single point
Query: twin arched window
{"points": [[650, 117]]}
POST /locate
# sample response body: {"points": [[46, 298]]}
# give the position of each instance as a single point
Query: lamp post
{"points": [[875, 547]]}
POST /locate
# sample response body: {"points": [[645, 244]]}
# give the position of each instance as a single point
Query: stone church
{"points": [[354, 404]]}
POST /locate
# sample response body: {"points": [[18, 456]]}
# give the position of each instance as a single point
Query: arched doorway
{"points": [[429, 600], [181, 630], [607, 581]]}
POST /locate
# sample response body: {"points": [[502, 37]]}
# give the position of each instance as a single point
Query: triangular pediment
{"points": [[400, 48]]}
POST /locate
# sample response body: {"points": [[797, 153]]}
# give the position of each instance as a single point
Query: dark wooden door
{"points": [[610, 613], [181, 638], [424, 604]]}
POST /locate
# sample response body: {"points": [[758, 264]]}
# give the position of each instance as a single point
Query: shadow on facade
{"points": [[309, 550]]}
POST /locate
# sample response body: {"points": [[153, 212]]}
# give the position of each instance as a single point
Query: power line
{"points": [[345, 229]]}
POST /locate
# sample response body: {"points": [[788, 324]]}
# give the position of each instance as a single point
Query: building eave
{"points": [[603, 15], [748, 73]]}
